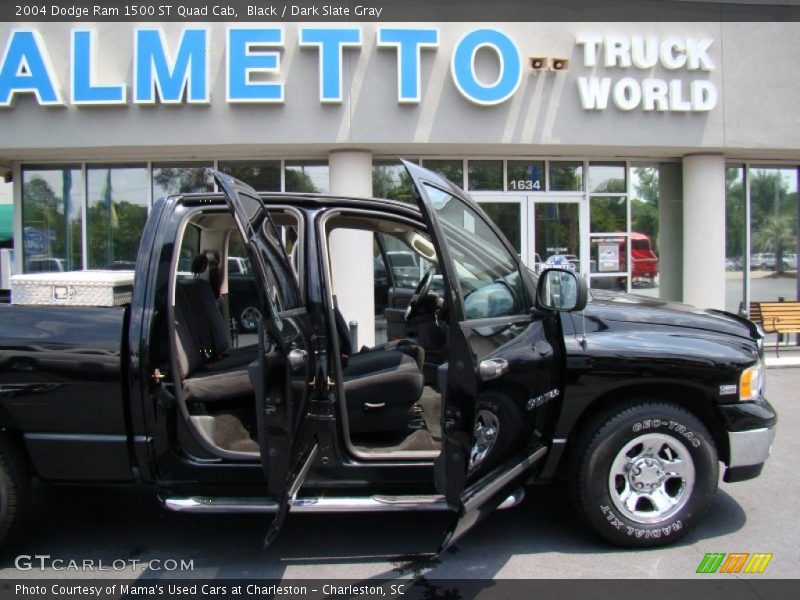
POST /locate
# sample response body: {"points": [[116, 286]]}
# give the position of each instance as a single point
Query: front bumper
{"points": [[748, 452], [749, 448]]}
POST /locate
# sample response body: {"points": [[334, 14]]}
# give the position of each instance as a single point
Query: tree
{"points": [[776, 234], [644, 204]]}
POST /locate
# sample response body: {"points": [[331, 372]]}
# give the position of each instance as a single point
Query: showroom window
{"points": [[735, 239], [761, 238], [525, 175], [311, 176], [608, 227], [116, 213], [52, 218], [261, 175], [565, 176], [181, 178], [452, 170], [646, 193], [506, 216], [485, 175]]}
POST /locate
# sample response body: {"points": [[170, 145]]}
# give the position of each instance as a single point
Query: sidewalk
{"points": [[789, 357]]}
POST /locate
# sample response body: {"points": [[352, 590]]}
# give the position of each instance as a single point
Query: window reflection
{"points": [[261, 175], [390, 180], [607, 178], [181, 178], [506, 215], [735, 241], [452, 170], [773, 233], [566, 176], [52, 202], [525, 175], [310, 176], [116, 215], [484, 175], [608, 214]]}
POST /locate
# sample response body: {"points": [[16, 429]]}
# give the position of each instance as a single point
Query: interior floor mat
{"points": [[231, 434], [419, 440]]}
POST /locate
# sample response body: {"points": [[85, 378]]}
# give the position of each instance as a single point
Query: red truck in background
{"points": [[644, 266]]}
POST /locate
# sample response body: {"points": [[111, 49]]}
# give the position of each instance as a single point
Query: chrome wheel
{"points": [[249, 318], [651, 478], [487, 428]]}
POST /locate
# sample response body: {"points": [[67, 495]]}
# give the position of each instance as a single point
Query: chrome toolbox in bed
{"points": [[73, 288]]}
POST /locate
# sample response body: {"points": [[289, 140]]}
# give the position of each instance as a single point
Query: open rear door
{"points": [[455, 222], [285, 371]]}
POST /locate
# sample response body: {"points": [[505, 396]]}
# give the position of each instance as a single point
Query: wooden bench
{"points": [[777, 317]]}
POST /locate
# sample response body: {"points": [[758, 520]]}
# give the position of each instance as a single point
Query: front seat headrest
{"points": [[199, 264]]}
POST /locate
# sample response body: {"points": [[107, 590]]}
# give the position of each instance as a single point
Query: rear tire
{"points": [[497, 429], [641, 475], [15, 488]]}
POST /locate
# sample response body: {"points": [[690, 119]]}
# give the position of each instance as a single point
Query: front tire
{"points": [[642, 475], [15, 488]]}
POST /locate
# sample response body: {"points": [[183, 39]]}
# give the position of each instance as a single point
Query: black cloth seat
{"points": [[210, 370], [381, 384]]}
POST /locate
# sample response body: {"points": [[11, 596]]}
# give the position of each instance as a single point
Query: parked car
{"points": [[764, 261], [733, 264], [45, 265], [500, 377], [121, 265]]}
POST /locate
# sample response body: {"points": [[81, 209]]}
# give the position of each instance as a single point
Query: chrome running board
{"points": [[324, 504]]}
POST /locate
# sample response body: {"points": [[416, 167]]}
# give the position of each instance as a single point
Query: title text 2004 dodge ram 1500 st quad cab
{"points": [[492, 377]]}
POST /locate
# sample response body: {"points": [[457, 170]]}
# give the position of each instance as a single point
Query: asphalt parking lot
{"points": [[539, 538]]}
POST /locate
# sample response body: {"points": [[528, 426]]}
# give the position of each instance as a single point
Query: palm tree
{"points": [[775, 234]]}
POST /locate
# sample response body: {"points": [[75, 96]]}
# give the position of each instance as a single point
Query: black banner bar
{"points": [[394, 589], [396, 10]]}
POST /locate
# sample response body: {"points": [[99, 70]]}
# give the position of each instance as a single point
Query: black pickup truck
{"points": [[491, 377]]}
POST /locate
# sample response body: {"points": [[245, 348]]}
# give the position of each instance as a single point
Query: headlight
{"points": [[751, 382]]}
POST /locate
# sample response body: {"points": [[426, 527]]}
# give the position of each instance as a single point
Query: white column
{"points": [[704, 230], [351, 251]]}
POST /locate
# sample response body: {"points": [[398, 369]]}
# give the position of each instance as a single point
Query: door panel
{"points": [[286, 360], [488, 300]]}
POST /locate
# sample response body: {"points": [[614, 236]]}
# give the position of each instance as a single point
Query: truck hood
{"points": [[630, 308]]}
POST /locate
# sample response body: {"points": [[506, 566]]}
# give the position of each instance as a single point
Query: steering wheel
{"points": [[423, 287]]}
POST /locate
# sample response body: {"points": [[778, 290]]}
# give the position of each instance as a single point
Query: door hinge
{"points": [[157, 376]]}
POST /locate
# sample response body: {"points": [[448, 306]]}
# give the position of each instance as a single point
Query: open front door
{"points": [[284, 373], [495, 344]]}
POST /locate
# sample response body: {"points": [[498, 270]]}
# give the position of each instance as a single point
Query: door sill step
{"points": [[324, 504]]}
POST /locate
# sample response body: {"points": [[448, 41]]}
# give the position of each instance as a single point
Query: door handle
{"points": [[297, 359], [492, 368]]}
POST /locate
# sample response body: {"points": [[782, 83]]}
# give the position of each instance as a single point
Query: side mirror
{"points": [[561, 290]]}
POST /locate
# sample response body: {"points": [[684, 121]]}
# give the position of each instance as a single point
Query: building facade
{"points": [[659, 158]]}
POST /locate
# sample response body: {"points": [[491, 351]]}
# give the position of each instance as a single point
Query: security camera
{"points": [[538, 63], [559, 64]]}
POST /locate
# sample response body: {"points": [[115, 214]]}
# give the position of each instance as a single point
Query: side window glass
{"points": [[381, 278], [281, 282], [190, 247], [406, 266], [487, 273]]}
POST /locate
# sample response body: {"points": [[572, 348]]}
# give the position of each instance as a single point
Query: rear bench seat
{"points": [[210, 369]]}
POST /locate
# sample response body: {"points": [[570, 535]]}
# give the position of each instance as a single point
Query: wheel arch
{"points": [[693, 400]]}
